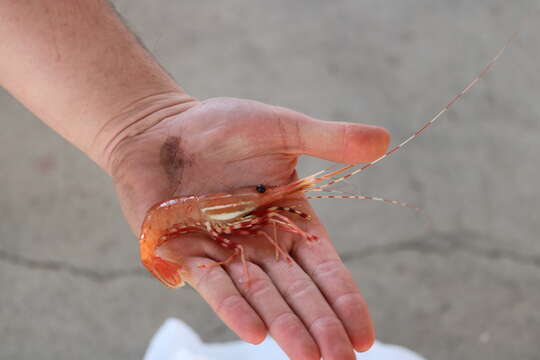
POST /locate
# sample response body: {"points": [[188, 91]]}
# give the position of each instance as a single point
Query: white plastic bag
{"points": [[177, 341]]}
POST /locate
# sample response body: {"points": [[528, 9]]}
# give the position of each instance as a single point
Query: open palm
{"points": [[310, 306]]}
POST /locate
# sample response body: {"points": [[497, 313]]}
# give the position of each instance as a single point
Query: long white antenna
{"points": [[419, 131]]}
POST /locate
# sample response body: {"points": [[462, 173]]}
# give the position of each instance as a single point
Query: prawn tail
{"points": [[165, 271]]}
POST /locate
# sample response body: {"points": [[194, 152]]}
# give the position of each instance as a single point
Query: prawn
{"points": [[245, 211]]}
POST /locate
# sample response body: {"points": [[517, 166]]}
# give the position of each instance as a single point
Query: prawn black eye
{"points": [[260, 188]]}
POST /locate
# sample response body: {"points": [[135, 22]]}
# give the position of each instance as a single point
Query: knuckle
{"points": [[210, 276], [352, 298], [287, 127], [228, 303], [345, 138], [258, 288], [298, 288], [328, 323], [328, 268], [285, 321]]}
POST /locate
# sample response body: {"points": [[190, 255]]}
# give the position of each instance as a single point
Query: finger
{"points": [[306, 300], [341, 142], [324, 266], [284, 326], [216, 287]]}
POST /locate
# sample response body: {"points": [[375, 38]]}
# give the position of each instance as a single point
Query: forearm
{"points": [[76, 66]]}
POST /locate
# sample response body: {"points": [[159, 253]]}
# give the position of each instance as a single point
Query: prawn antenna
{"points": [[484, 71], [364, 197], [418, 210]]}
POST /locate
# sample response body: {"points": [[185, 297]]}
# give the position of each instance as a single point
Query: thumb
{"points": [[332, 140]]}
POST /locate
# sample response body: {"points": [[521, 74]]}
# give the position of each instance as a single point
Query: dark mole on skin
{"points": [[171, 159]]}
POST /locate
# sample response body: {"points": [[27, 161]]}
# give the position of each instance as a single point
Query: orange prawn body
{"points": [[240, 212]]}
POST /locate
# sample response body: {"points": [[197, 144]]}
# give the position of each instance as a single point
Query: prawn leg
{"points": [[238, 251], [290, 226], [274, 242], [219, 263], [290, 210]]}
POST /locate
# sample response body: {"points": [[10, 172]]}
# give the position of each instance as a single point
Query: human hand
{"points": [[311, 307]]}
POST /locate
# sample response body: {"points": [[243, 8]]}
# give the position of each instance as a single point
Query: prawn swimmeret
{"points": [[245, 211]]}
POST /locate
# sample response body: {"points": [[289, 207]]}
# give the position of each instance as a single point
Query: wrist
{"points": [[134, 119]]}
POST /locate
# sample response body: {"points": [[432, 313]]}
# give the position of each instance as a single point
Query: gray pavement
{"points": [[468, 288]]}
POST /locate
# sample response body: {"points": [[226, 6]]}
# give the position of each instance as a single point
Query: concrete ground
{"points": [[467, 288]]}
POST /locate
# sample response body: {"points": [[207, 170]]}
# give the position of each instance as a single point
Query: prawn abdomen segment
{"points": [[170, 215]]}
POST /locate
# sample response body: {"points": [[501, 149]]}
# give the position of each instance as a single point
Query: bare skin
{"points": [[116, 104]]}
